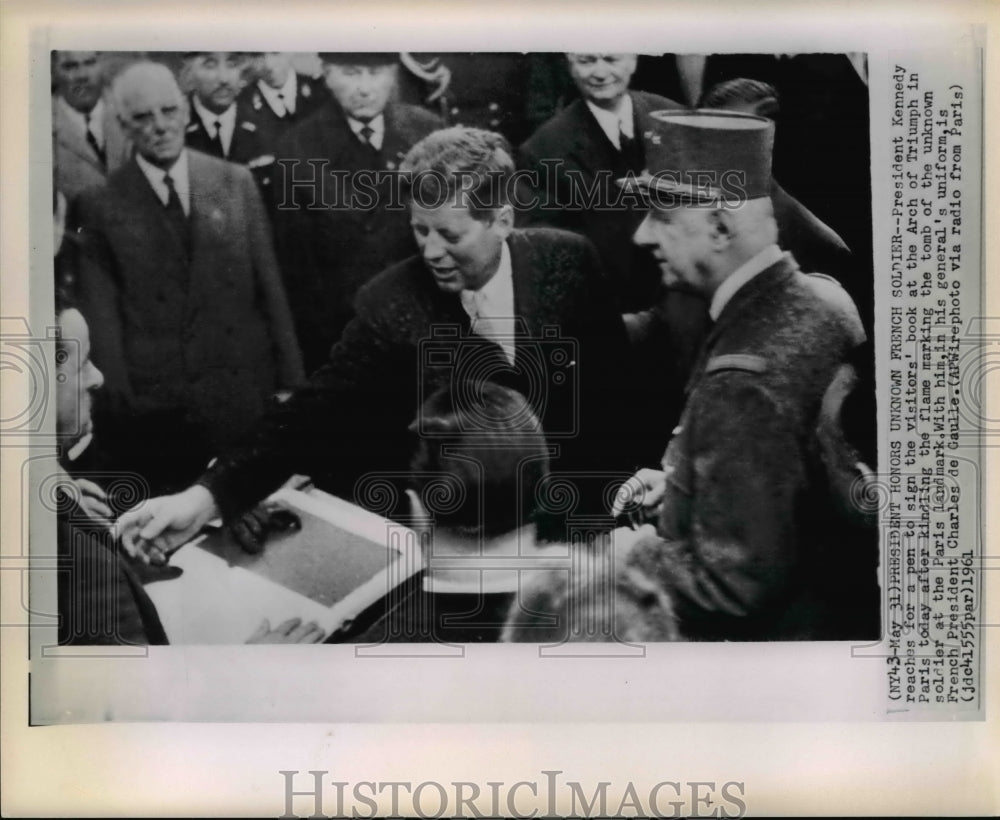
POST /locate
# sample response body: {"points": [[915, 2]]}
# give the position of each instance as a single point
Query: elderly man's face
{"points": [[216, 77], [602, 78], [77, 378], [460, 251], [681, 241], [361, 90], [155, 115], [78, 78]]}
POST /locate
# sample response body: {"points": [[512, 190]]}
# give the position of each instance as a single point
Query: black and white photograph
{"points": [[550, 294], [521, 382]]}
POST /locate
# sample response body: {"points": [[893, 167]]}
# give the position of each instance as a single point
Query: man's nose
{"points": [[432, 248], [366, 84], [160, 122], [641, 236], [95, 378]]}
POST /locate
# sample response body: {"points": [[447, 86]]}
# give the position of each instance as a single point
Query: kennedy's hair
{"points": [[479, 458], [464, 166]]}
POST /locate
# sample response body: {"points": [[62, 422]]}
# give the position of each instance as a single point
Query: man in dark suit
{"points": [[87, 141], [178, 280], [480, 302], [577, 156], [336, 225], [736, 545]]}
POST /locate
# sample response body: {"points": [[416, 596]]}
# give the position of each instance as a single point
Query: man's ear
{"points": [[722, 228], [503, 219]]}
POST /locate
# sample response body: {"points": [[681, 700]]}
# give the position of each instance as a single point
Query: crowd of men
{"points": [[345, 275]]}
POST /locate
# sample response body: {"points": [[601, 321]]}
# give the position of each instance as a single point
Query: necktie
{"points": [[175, 213], [366, 133], [483, 325], [285, 111], [216, 139], [93, 143], [631, 150]]}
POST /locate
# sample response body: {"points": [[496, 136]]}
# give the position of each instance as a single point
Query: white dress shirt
{"points": [[491, 308], [226, 120], [771, 255], [377, 125], [178, 173], [288, 93], [615, 123]]}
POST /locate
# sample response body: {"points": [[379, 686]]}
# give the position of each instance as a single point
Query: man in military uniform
{"points": [[734, 546], [279, 98], [218, 126]]}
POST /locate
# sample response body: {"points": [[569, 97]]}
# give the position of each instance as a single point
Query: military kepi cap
{"points": [[365, 58], [706, 155]]}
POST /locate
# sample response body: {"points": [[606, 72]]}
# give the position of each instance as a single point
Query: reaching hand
{"points": [[93, 500], [641, 494], [160, 525], [291, 631]]}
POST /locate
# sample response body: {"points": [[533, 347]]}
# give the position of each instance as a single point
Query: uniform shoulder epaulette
{"points": [[736, 361]]}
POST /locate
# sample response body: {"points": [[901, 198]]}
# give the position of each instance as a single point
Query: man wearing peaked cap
{"points": [[739, 486]]}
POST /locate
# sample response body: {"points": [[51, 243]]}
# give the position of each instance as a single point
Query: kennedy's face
{"points": [[76, 377], [217, 77], [460, 251], [362, 90], [155, 115], [602, 78], [275, 66], [680, 240], [78, 77]]}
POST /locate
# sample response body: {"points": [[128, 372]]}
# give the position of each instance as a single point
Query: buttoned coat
{"points": [[335, 231], [208, 334], [75, 163], [736, 549], [253, 107], [409, 338]]}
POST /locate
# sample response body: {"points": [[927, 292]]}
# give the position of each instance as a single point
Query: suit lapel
{"points": [[592, 149], [71, 139], [527, 290], [207, 214], [397, 140], [147, 217]]}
